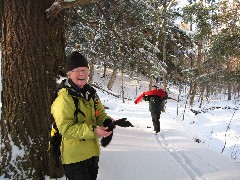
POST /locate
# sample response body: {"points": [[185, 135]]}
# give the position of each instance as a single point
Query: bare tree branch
{"points": [[92, 24], [59, 5]]}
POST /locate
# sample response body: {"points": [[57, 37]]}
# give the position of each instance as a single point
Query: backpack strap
{"points": [[77, 110], [92, 94], [96, 102]]}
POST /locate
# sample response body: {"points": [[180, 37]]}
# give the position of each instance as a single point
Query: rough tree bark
{"points": [[32, 54]]}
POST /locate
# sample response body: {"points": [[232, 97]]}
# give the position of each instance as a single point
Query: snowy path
{"points": [[137, 154]]}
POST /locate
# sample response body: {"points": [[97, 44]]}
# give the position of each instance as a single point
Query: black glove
{"points": [[111, 125], [123, 123], [106, 140]]}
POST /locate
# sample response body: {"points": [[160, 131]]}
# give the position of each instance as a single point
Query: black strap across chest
{"points": [[77, 110], [75, 93]]}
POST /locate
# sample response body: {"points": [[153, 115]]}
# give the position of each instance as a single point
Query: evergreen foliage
{"points": [[127, 35]]}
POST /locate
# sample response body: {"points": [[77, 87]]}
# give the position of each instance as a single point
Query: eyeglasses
{"points": [[83, 71]]}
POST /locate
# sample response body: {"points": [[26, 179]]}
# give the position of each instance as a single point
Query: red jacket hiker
{"points": [[159, 92], [156, 98]]}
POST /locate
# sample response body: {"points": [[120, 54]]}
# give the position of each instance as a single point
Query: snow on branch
{"points": [[59, 5]]}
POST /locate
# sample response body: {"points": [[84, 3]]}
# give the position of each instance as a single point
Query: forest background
{"points": [[195, 46]]}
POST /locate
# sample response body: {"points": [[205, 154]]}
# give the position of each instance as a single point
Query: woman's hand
{"points": [[101, 131]]}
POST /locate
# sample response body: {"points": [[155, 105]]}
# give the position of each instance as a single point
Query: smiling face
{"points": [[79, 76]]}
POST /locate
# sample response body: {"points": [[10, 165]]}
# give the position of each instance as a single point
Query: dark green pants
{"points": [[156, 121]]}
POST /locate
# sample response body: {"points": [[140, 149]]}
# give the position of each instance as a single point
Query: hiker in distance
{"points": [[156, 98], [80, 129]]}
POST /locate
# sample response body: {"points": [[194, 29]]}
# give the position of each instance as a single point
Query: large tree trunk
{"points": [[199, 63], [112, 79], [32, 54], [229, 91], [122, 87], [164, 30], [104, 70], [1, 12], [229, 84], [193, 92], [202, 88], [91, 65]]}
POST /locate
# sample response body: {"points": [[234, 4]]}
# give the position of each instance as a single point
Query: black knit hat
{"points": [[74, 60]]}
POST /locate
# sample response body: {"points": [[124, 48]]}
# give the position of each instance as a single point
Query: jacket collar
{"points": [[87, 91]]}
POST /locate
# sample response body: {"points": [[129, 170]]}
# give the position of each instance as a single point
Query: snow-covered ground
{"points": [[216, 123], [189, 145], [136, 153]]}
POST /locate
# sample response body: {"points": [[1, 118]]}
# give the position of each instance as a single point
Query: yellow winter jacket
{"points": [[79, 141]]}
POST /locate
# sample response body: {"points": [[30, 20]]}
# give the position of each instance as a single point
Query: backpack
{"points": [[55, 138]]}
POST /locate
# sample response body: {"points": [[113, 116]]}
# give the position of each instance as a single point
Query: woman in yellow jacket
{"points": [[80, 148]]}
